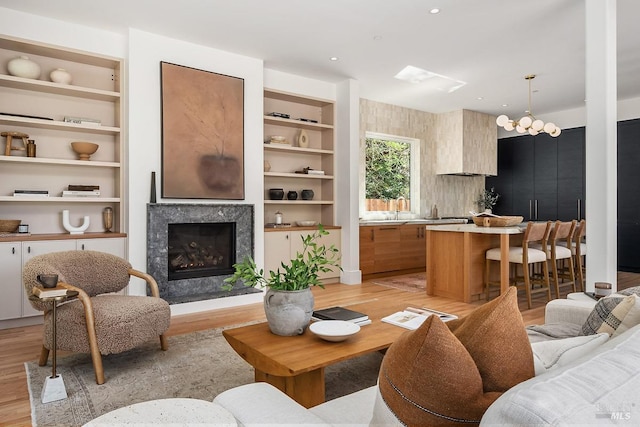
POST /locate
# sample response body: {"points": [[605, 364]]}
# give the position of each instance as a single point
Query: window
{"points": [[391, 173]]}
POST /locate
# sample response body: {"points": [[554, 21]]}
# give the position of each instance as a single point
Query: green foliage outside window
{"points": [[388, 169]]}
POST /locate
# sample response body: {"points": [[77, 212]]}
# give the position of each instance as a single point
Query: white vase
{"points": [[23, 67], [60, 75], [303, 139]]}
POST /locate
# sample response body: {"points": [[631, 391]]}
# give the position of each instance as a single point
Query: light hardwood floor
{"points": [[19, 345]]}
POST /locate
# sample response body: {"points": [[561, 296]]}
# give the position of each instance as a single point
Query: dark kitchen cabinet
{"points": [[628, 200], [571, 174]]}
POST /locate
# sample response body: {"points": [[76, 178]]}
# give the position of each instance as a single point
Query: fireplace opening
{"points": [[201, 250]]}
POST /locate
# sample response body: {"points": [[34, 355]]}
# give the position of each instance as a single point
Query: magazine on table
{"points": [[49, 292], [412, 318], [341, 313]]}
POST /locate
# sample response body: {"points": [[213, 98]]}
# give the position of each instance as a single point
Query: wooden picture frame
{"points": [[202, 134]]}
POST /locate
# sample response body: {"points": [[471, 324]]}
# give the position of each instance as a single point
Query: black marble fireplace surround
{"points": [[160, 215]]}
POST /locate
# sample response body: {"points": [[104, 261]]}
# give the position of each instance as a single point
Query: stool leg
{"points": [[7, 149]]}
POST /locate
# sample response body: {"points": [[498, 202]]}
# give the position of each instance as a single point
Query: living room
{"points": [[144, 51]]}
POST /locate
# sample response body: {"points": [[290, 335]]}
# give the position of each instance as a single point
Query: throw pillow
{"points": [[630, 320], [615, 318], [553, 354], [604, 307], [427, 377], [496, 339]]}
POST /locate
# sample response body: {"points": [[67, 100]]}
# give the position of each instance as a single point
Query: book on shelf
{"points": [[82, 121], [49, 292], [76, 187], [412, 318], [31, 193], [71, 193], [341, 313]]}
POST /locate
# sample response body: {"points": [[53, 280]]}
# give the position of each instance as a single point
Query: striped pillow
{"points": [[603, 309]]}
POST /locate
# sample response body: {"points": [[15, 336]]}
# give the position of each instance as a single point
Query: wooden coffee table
{"points": [[296, 364]]}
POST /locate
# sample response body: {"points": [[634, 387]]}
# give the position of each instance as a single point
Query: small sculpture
{"points": [[71, 229]]}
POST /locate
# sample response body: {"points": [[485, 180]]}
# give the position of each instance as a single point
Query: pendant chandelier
{"points": [[528, 123]]}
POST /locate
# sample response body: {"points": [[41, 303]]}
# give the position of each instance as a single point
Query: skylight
{"points": [[428, 78]]}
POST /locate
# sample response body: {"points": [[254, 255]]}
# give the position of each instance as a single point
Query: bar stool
{"points": [[560, 245], [527, 257], [579, 250]]}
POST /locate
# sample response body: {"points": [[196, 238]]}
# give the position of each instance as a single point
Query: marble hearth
{"points": [[160, 215]]}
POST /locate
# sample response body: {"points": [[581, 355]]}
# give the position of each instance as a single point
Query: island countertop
{"points": [[456, 259]]}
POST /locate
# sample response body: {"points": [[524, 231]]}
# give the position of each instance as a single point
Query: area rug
{"points": [[199, 365], [414, 282]]}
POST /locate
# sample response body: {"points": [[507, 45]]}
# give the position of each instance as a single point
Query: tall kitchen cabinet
{"points": [[628, 200], [541, 178], [54, 115]]}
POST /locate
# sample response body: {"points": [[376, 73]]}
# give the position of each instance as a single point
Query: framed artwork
{"points": [[202, 134]]}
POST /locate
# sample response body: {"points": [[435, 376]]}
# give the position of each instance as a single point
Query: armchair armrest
{"points": [[571, 311], [151, 282]]}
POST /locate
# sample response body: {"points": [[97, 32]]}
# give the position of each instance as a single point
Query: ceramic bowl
{"points": [[334, 330], [84, 150], [9, 225], [306, 223]]}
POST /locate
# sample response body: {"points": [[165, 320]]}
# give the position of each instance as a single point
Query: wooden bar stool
{"points": [[525, 256], [9, 147], [560, 245], [579, 250]]}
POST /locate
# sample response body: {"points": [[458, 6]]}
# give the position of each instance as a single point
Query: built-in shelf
{"points": [[57, 88], [56, 162]]}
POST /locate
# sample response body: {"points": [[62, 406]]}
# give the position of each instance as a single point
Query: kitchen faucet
{"points": [[398, 206]]}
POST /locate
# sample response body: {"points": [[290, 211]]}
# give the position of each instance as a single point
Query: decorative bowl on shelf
{"points": [[497, 221], [9, 225], [84, 150], [276, 193], [334, 330], [307, 223]]}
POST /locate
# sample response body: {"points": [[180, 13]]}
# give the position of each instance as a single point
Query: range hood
{"points": [[467, 144]]}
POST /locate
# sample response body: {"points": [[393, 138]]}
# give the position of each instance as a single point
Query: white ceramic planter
{"points": [[23, 67], [60, 75]]}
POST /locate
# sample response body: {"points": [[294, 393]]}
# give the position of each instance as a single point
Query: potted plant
{"points": [[288, 301], [488, 199]]}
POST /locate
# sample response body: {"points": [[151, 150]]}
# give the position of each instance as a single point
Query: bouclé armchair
{"points": [[100, 321]]}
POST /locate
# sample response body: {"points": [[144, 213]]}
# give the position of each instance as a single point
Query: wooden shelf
{"points": [[299, 150], [295, 123], [296, 175], [57, 125], [58, 162], [298, 202], [58, 89], [50, 199]]}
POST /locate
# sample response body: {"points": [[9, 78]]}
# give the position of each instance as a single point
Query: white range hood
{"points": [[467, 144]]}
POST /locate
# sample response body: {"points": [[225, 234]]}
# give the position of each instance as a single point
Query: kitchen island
{"points": [[456, 259]]}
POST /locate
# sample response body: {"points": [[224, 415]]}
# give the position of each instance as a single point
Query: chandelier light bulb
{"points": [[525, 122], [556, 132], [509, 126], [533, 132], [549, 127], [502, 120], [520, 129], [537, 125]]}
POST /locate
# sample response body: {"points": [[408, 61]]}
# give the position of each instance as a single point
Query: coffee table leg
{"points": [[307, 389]]}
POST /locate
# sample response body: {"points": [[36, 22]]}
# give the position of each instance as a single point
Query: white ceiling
{"points": [[490, 44]]}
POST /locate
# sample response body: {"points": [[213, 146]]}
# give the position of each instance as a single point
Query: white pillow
{"points": [[556, 353], [630, 320]]}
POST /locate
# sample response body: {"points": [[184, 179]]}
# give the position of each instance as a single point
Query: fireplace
{"points": [[191, 248], [201, 250]]}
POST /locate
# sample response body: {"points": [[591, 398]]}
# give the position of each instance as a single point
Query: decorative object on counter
{"points": [[9, 225], [309, 171], [307, 223], [602, 289], [9, 144], [488, 199], [276, 139], [434, 212], [307, 194], [23, 228], [31, 148], [267, 166], [528, 123], [60, 75], [22, 66], [278, 218], [82, 121], [84, 150], [303, 139], [71, 229], [152, 197], [292, 195], [280, 115], [276, 193], [107, 219], [288, 302], [484, 220]]}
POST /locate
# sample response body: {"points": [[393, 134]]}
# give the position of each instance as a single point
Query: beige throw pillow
{"points": [[614, 319]]}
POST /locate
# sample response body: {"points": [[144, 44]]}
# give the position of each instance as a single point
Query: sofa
{"points": [[584, 384]]}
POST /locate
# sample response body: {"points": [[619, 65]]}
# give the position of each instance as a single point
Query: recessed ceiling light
{"points": [[434, 11], [334, 58], [377, 37], [427, 78], [479, 98], [505, 105]]}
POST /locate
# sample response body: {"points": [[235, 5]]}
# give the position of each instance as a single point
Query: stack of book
{"points": [[82, 121], [30, 193], [82, 191], [341, 313], [49, 292], [412, 318]]}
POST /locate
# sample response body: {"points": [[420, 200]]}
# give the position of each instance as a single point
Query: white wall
{"points": [[146, 51]]}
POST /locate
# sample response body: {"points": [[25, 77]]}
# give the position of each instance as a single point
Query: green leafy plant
{"points": [[300, 273], [488, 198]]}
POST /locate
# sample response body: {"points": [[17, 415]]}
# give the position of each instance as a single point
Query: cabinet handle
{"points": [[13, 251], [373, 236], [286, 236], [530, 211], [536, 209], [579, 210], [83, 246], [28, 249], [388, 228], [418, 232]]}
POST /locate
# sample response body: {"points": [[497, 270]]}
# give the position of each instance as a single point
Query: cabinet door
{"points": [[503, 182], [545, 178], [114, 246], [12, 289], [628, 200], [366, 250], [387, 249], [31, 249], [413, 246], [333, 238], [522, 168], [277, 248], [571, 162]]}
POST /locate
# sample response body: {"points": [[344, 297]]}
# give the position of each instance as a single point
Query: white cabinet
{"points": [[316, 117], [13, 256], [282, 246], [40, 108], [11, 267]]}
